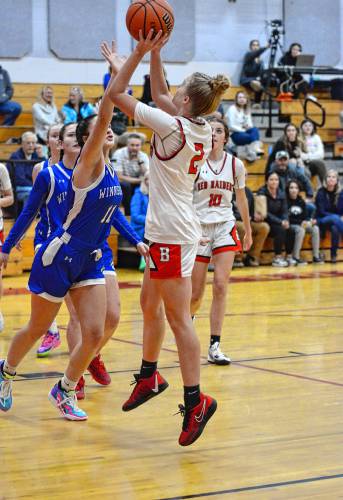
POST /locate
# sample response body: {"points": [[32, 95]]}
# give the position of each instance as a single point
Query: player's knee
{"points": [[92, 336], [219, 288], [112, 320]]}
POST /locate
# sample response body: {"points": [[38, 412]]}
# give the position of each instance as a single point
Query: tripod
{"points": [[274, 45]]}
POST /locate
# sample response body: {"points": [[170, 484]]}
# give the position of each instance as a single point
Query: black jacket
{"points": [[251, 68], [297, 212], [6, 88], [277, 210]]}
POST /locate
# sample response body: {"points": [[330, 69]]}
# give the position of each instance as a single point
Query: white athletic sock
{"points": [[67, 384], [53, 327], [8, 369]]}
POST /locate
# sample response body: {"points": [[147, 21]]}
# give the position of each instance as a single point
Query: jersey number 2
{"points": [[198, 157]]}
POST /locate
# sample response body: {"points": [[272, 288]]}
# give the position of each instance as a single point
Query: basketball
{"points": [[149, 14]]}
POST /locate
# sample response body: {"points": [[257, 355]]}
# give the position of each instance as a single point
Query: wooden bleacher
{"points": [[27, 94]]}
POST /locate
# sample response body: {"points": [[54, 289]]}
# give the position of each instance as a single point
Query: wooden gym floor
{"points": [[278, 430]]}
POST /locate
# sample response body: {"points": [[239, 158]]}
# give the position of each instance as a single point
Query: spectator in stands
{"points": [[131, 164], [6, 200], [10, 109], [301, 223], [298, 84], [260, 230], [146, 95], [139, 208], [290, 142], [329, 202], [45, 114], [243, 131], [286, 173], [312, 149], [76, 108], [22, 170], [252, 70], [107, 77], [277, 218]]}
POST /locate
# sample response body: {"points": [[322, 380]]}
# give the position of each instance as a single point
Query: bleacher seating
{"points": [[27, 94]]}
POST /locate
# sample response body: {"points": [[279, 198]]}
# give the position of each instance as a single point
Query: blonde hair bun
{"points": [[219, 83]]}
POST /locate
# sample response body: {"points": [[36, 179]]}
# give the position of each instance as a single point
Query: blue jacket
{"points": [[71, 115], [139, 207], [22, 171], [324, 204]]}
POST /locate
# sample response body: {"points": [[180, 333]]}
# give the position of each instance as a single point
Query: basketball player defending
{"points": [[220, 175], [181, 143]]}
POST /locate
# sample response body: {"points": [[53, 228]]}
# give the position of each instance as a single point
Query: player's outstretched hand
{"points": [[3, 260], [143, 250], [149, 43], [115, 60]]}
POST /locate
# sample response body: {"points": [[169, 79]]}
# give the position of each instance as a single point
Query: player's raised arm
{"points": [[159, 88], [116, 89]]}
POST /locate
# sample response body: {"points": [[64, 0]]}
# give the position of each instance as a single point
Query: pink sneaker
{"points": [[50, 341]]}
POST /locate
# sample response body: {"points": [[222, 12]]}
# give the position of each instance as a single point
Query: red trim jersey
{"points": [[214, 186], [179, 147]]}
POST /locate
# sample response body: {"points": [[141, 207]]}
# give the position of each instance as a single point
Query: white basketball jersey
{"points": [[214, 186], [171, 216]]}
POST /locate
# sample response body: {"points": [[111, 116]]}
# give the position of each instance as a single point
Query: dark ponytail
{"points": [[82, 129]]}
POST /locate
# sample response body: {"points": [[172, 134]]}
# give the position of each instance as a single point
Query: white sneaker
{"points": [[216, 356], [2, 322], [279, 262], [291, 261]]}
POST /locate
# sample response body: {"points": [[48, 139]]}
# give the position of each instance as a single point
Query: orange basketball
{"points": [[149, 14]]}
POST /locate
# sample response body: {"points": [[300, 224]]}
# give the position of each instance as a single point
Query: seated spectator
{"points": [[45, 114], [146, 95], [76, 108], [131, 164], [10, 109], [139, 208], [277, 218], [23, 169], [329, 203], [243, 131], [252, 69], [290, 142], [260, 230], [6, 200], [287, 172], [297, 84], [301, 223], [312, 149]]}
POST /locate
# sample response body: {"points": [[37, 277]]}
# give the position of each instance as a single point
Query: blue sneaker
{"points": [[66, 403], [5, 390]]}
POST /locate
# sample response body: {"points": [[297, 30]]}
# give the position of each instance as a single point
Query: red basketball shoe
{"points": [[98, 371], [80, 389], [145, 389], [195, 419]]}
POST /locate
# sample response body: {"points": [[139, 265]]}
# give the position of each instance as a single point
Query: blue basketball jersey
{"points": [[91, 210], [54, 210]]}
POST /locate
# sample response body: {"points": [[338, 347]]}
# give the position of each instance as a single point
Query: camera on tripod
{"points": [[277, 30]]}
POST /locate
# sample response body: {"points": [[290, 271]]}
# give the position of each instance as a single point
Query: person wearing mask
{"points": [[9, 108], [23, 169], [45, 114], [329, 203], [252, 70], [277, 218], [76, 108], [301, 223], [130, 164]]}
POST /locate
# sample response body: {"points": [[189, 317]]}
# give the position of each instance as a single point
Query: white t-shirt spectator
{"points": [[130, 167], [238, 120], [314, 147], [44, 115], [5, 185]]}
